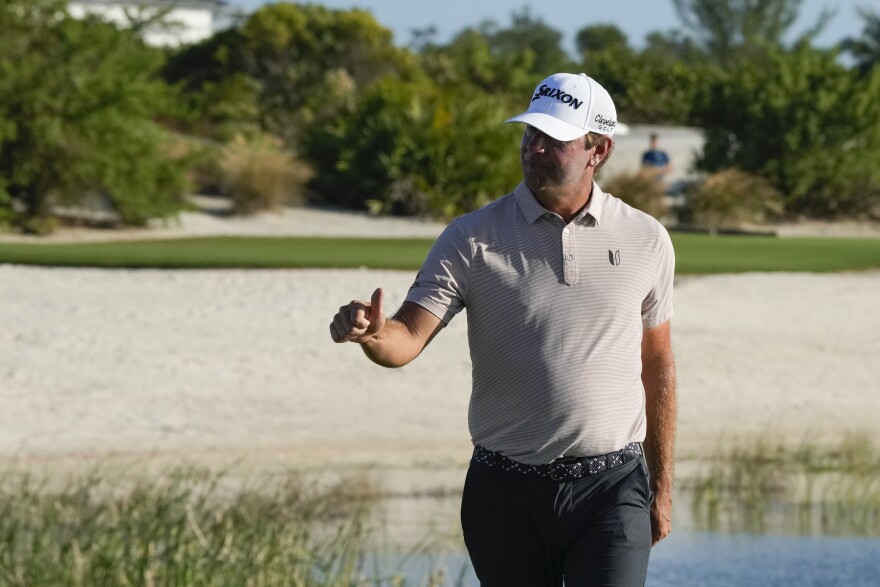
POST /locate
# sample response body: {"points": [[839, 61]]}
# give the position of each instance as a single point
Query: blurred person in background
{"points": [[656, 159]]}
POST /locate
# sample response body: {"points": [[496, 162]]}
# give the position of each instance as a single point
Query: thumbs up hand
{"points": [[359, 321]]}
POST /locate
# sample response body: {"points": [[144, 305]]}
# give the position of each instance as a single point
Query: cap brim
{"points": [[550, 126]]}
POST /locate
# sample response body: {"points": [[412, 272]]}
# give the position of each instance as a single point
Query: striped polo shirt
{"points": [[555, 316]]}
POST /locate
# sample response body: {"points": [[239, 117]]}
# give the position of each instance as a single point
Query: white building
{"points": [[185, 21]]}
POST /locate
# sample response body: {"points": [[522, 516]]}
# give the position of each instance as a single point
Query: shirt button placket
{"points": [[569, 264]]}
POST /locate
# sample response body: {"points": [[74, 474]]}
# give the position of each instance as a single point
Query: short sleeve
{"points": [[441, 284], [657, 305]]}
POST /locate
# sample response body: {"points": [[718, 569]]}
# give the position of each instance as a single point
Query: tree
{"points": [[866, 49], [600, 37], [804, 122], [290, 50], [470, 60], [78, 101], [650, 86], [673, 47], [528, 33], [507, 61], [415, 148], [219, 98], [724, 28]]}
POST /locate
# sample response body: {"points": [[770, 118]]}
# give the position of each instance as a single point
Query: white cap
{"points": [[566, 106]]}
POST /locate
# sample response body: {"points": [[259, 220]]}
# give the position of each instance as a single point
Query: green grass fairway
{"points": [[695, 253], [701, 253], [226, 253]]}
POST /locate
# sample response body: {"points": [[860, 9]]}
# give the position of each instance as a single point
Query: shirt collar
{"points": [[532, 209], [528, 204], [596, 204]]}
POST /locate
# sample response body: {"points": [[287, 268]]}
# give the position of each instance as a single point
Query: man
{"points": [[655, 158], [569, 295]]}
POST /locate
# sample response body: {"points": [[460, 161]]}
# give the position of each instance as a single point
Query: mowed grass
{"points": [[703, 254], [695, 253], [226, 253]]}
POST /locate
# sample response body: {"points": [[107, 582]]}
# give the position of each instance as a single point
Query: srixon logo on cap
{"points": [[556, 93]]}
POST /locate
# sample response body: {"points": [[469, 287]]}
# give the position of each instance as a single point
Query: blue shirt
{"points": [[655, 158]]}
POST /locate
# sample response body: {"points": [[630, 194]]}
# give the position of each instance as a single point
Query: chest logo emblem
{"points": [[614, 257]]}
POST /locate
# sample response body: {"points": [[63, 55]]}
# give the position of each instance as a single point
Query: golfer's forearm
{"points": [[660, 395], [393, 346]]}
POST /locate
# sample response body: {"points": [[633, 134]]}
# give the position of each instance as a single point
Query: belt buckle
{"points": [[567, 468]]}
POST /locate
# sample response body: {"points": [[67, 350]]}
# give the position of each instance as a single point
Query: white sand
{"points": [[238, 367]]}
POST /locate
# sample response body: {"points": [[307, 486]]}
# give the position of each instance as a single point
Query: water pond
{"points": [[421, 540]]}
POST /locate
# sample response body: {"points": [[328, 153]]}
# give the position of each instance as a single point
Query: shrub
{"points": [[271, 70], [730, 198], [415, 149], [78, 105], [802, 120], [643, 190], [255, 174], [262, 180]]}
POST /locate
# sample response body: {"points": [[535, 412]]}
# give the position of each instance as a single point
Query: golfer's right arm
{"points": [[391, 342]]}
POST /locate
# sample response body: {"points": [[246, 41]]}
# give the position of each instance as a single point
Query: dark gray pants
{"points": [[528, 531]]}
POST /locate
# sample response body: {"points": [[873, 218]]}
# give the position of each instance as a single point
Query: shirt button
{"points": [[569, 257], [565, 231]]}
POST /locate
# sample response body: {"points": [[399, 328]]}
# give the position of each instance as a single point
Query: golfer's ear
{"points": [[603, 149]]}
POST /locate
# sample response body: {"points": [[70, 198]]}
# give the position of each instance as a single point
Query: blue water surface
{"points": [[697, 559], [721, 560], [689, 557]]}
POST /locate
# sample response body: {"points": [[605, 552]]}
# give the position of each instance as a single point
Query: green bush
{"points": [[644, 86], [803, 121], [415, 149], [732, 198], [78, 105], [277, 61], [5, 207]]}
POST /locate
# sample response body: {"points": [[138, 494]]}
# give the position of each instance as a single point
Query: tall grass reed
{"points": [[808, 489], [189, 527]]}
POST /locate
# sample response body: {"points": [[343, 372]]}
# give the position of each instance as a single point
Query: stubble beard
{"points": [[541, 180]]}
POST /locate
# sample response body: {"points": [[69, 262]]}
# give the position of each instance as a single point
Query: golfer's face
{"points": [[548, 163]]}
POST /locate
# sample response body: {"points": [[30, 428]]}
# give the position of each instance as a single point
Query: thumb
{"points": [[376, 312]]}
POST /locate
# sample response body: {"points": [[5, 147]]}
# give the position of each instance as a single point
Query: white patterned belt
{"points": [[563, 469]]}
